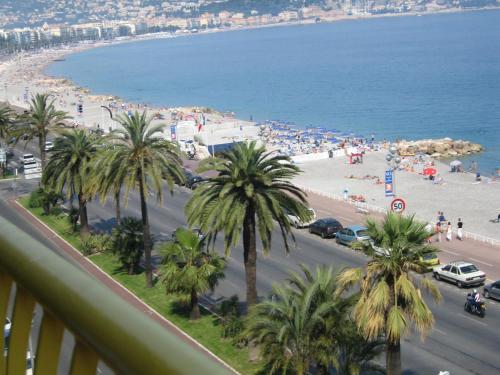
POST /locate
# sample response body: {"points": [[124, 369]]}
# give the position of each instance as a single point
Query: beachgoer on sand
{"points": [[460, 230]]}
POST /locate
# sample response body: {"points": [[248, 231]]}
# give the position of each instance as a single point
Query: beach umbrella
{"points": [[430, 171], [455, 163]]}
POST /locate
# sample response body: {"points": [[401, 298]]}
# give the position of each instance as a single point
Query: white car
{"points": [[460, 273], [297, 223], [31, 165], [27, 158], [49, 146]]}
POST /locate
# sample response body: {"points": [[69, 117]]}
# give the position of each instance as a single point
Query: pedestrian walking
{"points": [[441, 217], [460, 230], [428, 228], [448, 231], [438, 231]]}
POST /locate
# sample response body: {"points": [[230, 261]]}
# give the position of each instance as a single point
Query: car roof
{"points": [[330, 220], [460, 263], [355, 228]]}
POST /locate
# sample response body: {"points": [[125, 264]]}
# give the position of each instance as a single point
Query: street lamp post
{"points": [[393, 160]]}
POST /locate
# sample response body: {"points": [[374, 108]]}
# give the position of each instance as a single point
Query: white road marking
{"points": [[473, 320], [450, 252], [479, 261], [345, 219], [439, 331]]}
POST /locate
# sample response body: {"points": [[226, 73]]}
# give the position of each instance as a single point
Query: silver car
{"points": [[460, 273]]}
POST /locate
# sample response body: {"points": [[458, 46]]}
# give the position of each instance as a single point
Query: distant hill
{"points": [[20, 13]]}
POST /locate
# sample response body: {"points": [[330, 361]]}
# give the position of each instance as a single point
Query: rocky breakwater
{"points": [[438, 148]]}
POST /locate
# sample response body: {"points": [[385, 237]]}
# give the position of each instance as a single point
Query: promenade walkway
{"points": [[484, 255]]}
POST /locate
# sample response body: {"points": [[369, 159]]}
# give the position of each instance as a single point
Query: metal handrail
{"points": [[105, 326]]}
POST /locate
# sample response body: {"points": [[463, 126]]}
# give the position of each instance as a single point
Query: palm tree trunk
{"points": [[117, 206], [195, 309], [250, 256], [146, 234], [84, 221], [393, 358], [41, 145]]}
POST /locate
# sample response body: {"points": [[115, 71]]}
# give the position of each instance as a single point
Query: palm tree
{"points": [[69, 168], [41, 117], [296, 328], [390, 297], [6, 120], [5, 128], [128, 243], [108, 180], [251, 191], [142, 159], [354, 353], [188, 270]]}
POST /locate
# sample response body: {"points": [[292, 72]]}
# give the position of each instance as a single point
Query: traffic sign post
{"points": [[389, 183], [398, 205]]}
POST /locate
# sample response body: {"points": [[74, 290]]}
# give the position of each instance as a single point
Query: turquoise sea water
{"points": [[398, 77]]}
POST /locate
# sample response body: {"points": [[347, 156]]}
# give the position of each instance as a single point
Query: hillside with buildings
{"points": [[32, 24]]}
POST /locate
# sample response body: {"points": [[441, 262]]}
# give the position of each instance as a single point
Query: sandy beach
{"points": [[458, 195]]}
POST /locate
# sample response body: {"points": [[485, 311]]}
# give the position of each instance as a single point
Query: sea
{"points": [[409, 77]]}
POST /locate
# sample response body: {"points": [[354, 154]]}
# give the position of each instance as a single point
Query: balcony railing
{"points": [[105, 327]]}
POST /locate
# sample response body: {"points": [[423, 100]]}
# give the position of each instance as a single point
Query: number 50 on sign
{"points": [[398, 205]]}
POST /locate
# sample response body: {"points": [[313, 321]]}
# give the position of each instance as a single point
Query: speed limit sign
{"points": [[398, 205]]}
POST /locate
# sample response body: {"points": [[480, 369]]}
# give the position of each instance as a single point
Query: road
{"points": [[460, 343]]}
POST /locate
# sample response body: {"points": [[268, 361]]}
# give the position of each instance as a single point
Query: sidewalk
{"points": [[485, 256], [94, 271]]}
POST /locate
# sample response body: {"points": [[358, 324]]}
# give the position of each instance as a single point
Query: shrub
{"points": [[231, 322], [97, 243], [47, 199]]}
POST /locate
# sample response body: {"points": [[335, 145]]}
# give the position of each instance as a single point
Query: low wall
{"points": [[320, 155]]}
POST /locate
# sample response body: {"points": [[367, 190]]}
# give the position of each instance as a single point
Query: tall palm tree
{"points": [[6, 120], [69, 168], [109, 179], [251, 191], [390, 297], [143, 159], [296, 328], [188, 270], [41, 117]]}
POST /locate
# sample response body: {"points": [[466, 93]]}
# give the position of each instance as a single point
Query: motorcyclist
{"points": [[474, 300]]}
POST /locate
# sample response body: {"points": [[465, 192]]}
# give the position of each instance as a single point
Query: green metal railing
{"points": [[105, 327]]}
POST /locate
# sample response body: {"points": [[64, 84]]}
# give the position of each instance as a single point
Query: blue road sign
{"points": [[389, 183]]}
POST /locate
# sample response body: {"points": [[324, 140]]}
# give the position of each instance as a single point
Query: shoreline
{"points": [[80, 47], [27, 71]]}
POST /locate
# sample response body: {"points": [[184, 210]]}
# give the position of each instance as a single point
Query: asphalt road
{"points": [[460, 343]]}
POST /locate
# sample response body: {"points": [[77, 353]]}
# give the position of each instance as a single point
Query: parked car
{"points": [[31, 165], [27, 158], [461, 273], [492, 290], [297, 223], [428, 261], [192, 180], [354, 233], [327, 227], [49, 146]]}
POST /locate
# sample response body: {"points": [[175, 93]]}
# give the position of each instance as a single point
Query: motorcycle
{"points": [[478, 308]]}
